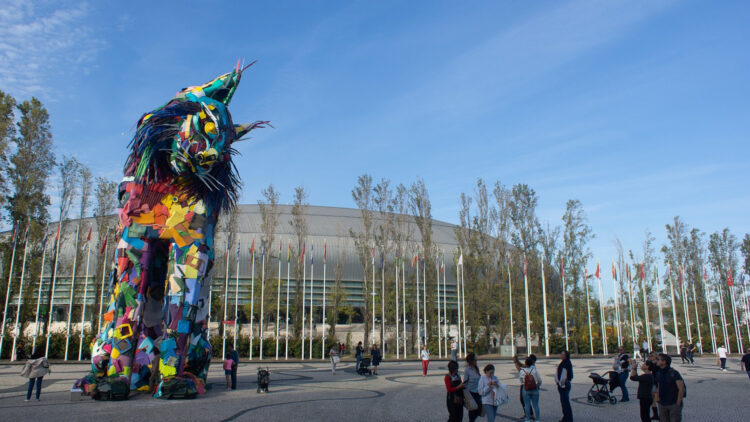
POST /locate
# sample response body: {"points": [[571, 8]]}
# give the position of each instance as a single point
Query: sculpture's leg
{"points": [[185, 350]]}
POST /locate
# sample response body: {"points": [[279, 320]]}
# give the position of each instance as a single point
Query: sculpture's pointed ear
{"points": [[242, 129]]}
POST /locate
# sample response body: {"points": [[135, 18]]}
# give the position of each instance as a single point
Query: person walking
{"points": [[745, 363], [621, 365], [644, 349], [684, 354], [645, 386], [471, 379], [35, 369], [530, 381], [454, 399], [236, 362], [425, 360], [342, 349], [519, 366], [376, 358], [670, 392], [563, 376], [358, 354], [721, 355], [454, 350], [333, 354], [493, 393], [691, 353]]}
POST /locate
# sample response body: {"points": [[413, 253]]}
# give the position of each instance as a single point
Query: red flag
{"points": [[642, 275], [104, 245], [705, 276], [598, 272], [252, 247], [89, 235], [57, 235], [585, 274], [524, 265], [614, 272], [730, 281], [325, 251]]}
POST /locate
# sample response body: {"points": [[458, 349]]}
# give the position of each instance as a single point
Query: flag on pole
{"points": [[228, 246], [730, 282], [598, 271], [413, 260], [705, 275], [302, 254], [325, 251], [614, 271], [263, 250], [312, 254], [461, 262], [101, 250], [57, 235], [88, 239], [238, 250], [44, 240], [373, 256], [642, 274], [252, 247], [288, 252]]}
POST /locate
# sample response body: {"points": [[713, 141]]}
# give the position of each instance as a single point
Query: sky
{"points": [[639, 109]]}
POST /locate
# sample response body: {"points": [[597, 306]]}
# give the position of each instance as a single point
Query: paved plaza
{"points": [[309, 392]]}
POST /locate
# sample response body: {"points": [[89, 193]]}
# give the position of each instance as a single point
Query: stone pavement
{"points": [[309, 392]]}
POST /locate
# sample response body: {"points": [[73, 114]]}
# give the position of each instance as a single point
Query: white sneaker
{"points": [[26, 400]]}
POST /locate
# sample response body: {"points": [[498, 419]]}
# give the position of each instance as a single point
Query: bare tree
{"points": [[421, 210], [269, 211], [363, 241], [105, 196], [299, 225]]}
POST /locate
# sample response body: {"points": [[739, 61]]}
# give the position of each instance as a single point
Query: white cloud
{"points": [[39, 42]]}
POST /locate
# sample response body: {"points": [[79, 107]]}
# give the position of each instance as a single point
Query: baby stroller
{"points": [[264, 378], [601, 391], [364, 367]]}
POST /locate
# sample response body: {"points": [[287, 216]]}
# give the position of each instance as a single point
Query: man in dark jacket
{"points": [[671, 390], [236, 358]]}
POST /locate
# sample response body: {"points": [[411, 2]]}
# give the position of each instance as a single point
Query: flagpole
{"points": [[724, 332], [661, 316], [323, 342], [304, 298], [372, 293], [706, 292], [278, 300], [544, 302], [39, 292], [697, 320], [419, 329], [747, 308], [226, 291], [398, 315], [603, 321], [458, 303], [382, 302], [445, 305], [439, 320], [737, 332], [526, 298], [72, 289], [7, 294], [674, 310], [686, 307], [20, 292], [288, 270], [565, 305], [403, 302], [463, 303], [261, 327], [588, 312], [252, 296], [617, 305], [312, 290], [424, 300], [85, 296], [54, 282], [104, 276], [236, 295], [645, 308], [633, 328]]}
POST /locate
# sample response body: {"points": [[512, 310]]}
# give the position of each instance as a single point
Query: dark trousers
{"points": [[623, 378], [690, 357], [474, 414], [723, 363], [455, 411], [523, 405], [38, 381], [565, 403], [234, 379], [646, 408]]}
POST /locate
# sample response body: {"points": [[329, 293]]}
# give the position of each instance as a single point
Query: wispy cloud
{"points": [[39, 42]]}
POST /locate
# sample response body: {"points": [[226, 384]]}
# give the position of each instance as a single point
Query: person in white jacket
{"points": [[531, 381], [494, 393], [35, 369]]}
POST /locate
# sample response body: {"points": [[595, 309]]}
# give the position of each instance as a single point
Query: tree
{"points": [[576, 235], [363, 241], [421, 210], [269, 211], [105, 197], [745, 248], [7, 135], [338, 296], [299, 225]]}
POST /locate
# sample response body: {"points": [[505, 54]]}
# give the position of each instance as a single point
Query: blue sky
{"points": [[637, 108]]}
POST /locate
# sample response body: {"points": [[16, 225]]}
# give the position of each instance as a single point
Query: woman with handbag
{"points": [[334, 355], [454, 387], [471, 378], [35, 369], [494, 394]]}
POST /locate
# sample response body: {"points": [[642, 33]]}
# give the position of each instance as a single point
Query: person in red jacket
{"points": [[455, 395]]}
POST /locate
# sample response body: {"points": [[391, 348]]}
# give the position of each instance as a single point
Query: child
{"points": [[228, 362], [645, 386]]}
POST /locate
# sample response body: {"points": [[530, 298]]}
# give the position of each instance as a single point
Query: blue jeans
{"points": [[565, 402], [531, 397], [38, 381], [359, 359], [623, 378], [490, 411]]}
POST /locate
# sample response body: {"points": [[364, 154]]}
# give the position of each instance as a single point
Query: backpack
{"points": [[529, 382], [178, 389]]}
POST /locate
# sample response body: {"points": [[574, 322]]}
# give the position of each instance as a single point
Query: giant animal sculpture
{"points": [[178, 178]]}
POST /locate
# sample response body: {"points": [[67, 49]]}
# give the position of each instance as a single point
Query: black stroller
{"points": [[264, 378], [601, 391], [364, 367]]}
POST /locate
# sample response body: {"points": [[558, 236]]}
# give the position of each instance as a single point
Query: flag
{"points": [[44, 240], [238, 250], [252, 247], [86, 243], [226, 248], [325, 251], [705, 275], [585, 274], [57, 235], [288, 252], [263, 250], [614, 271], [642, 274], [461, 262], [422, 262], [598, 271], [413, 260], [373, 256], [312, 254], [302, 254], [730, 282], [104, 244]]}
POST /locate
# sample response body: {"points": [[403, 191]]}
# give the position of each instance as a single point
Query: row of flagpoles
{"points": [[420, 291]]}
